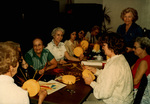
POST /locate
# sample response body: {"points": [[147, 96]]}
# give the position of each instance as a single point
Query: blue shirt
{"points": [[129, 36]]}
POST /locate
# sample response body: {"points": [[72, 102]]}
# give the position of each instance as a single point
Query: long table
{"points": [[63, 96]]}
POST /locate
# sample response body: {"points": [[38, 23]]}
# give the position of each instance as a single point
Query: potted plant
{"points": [[106, 20]]}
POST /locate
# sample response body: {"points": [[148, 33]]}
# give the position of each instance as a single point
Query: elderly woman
{"points": [[114, 84], [12, 52], [57, 48], [129, 31], [10, 93], [142, 66]]}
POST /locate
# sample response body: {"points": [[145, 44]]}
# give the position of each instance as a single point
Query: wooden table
{"points": [[62, 96]]}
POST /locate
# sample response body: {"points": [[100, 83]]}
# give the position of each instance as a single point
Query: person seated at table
{"points": [[57, 48], [40, 58], [81, 36], [142, 66], [16, 46], [91, 36], [71, 44], [22, 63], [10, 93], [114, 84]]}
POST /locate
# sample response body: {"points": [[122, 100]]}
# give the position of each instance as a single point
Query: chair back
{"points": [[141, 90]]}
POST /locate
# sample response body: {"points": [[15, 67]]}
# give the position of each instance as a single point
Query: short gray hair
{"points": [[57, 29], [144, 42]]}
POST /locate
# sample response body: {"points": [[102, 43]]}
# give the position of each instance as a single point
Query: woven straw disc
{"points": [[32, 87], [78, 51]]}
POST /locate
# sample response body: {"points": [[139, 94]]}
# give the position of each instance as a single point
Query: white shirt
{"points": [[10, 93], [114, 83], [57, 51]]}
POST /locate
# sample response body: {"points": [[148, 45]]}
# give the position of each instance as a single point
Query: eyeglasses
{"points": [[81, 32], [134, 47]]}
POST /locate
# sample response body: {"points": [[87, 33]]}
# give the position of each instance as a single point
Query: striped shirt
{"points": [[36, 62]]}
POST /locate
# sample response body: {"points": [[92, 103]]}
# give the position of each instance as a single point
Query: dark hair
{"points": [[69, 32], [39, 39], [95, 27], [114, 41]]}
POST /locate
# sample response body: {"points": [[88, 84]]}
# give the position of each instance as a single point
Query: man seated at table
{"points": [[91, 36], [40, 58]]}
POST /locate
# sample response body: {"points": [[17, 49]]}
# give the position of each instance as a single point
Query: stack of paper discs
{"points": [[32, 86], [78, 51], [84, 44], [68, 79]]}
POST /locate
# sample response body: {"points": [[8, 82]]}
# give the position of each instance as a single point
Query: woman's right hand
{"points": [[128, 49], [92, 69], [62, 62]]}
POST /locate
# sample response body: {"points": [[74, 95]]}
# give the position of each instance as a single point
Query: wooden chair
{"points": [[141, 90]]}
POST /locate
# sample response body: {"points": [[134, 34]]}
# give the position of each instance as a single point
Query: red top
{"points": [[146, 58]]}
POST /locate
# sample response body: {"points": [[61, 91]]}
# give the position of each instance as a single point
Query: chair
{"points": [[141, 90]]}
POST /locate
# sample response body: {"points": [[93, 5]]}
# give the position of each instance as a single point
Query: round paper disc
{"points": [[87, 72], [32, 86], [84, 44], [78, 51], [68, 79], [96, 47]]}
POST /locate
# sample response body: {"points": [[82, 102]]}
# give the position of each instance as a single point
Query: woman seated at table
{"points": [[13, 47], [57, 48], [10, 93], [71, 43], [142, 66], [114, 84], [81, 36]]}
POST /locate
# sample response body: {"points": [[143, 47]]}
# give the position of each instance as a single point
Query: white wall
{"points": [[116, 6]]}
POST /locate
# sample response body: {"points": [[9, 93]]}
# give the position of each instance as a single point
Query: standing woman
{"points": [[142, 66], [57, 48], [129, 31]]}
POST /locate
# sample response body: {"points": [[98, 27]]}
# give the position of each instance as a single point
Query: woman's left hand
{"points": [[41, 71], [87, 80], [128, 49], [81, 57]]}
